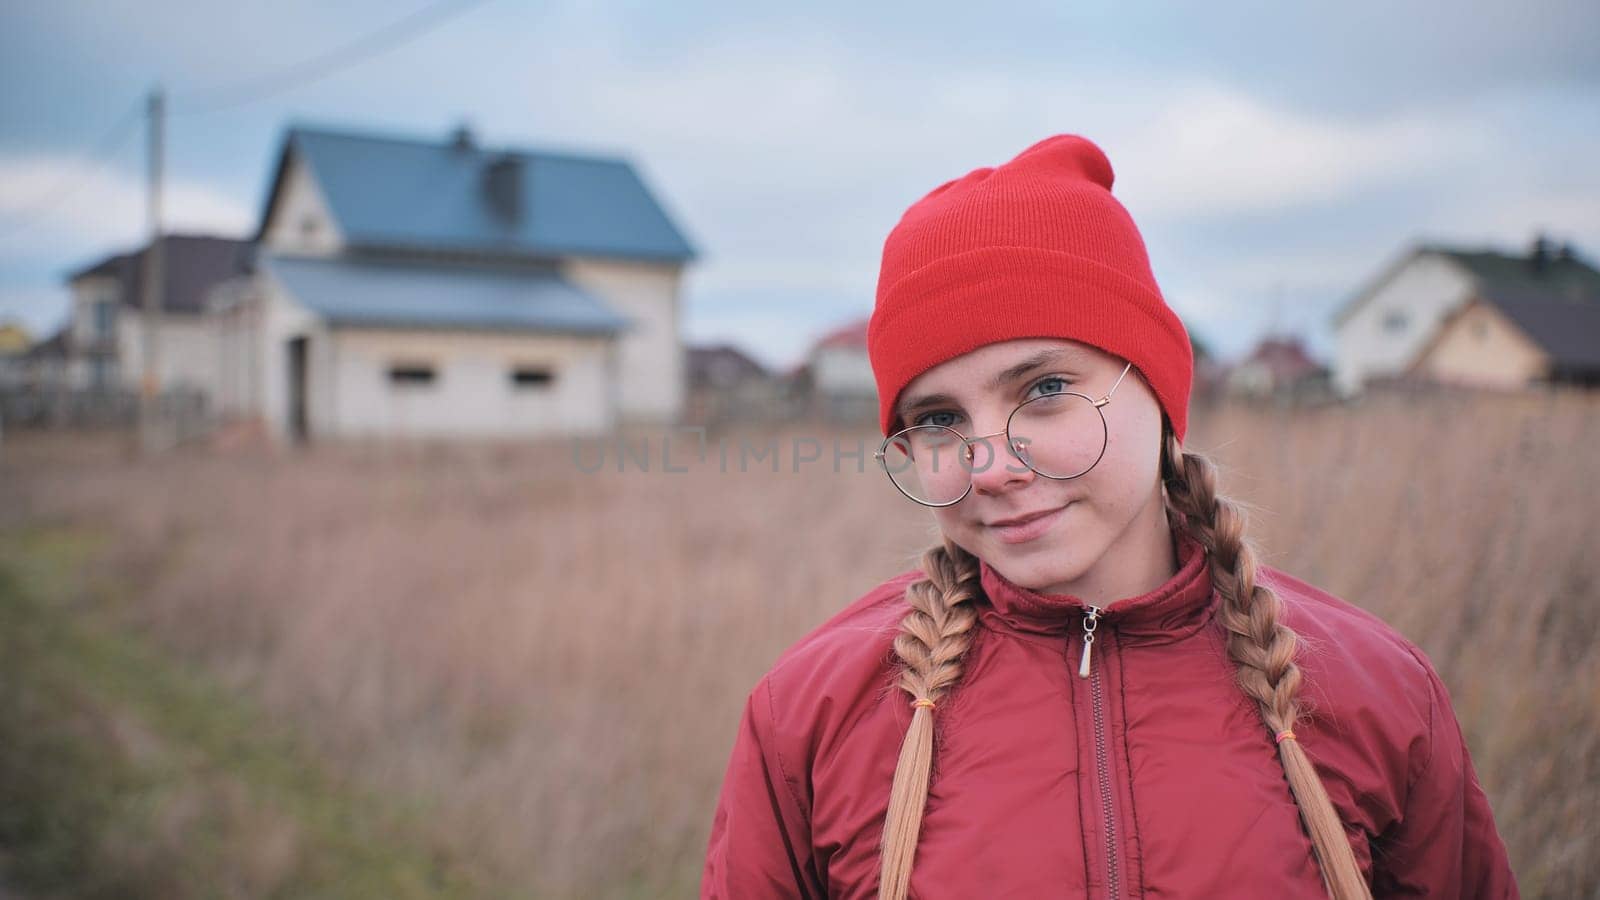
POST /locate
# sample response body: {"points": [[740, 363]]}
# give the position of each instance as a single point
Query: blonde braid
{"points": [[1262, 647], [933, 638]]}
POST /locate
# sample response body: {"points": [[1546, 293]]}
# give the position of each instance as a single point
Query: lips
{"points": [[1023, 519], [1028, 527]]}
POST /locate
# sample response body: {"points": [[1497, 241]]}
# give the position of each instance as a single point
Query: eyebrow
{"points": [[1000, 380]]}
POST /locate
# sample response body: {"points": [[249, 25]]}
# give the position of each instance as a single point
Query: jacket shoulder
{"points": [[1371, 696], [1341, 635], [860, 634], [834, 676]]}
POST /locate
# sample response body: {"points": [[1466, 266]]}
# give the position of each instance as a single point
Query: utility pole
{"points": [[150, 426], [1275, 326]]}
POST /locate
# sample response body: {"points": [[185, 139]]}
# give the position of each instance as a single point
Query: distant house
{"points": [[1210, 373], [14, 338], [104, 341], [725, 384], [14, 343], [1477, 317], [838, 374], [721, 367], [413, 287], [44, 365], [1279, 367]]}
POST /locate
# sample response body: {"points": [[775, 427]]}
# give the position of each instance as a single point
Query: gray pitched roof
{"points": [[1556, 302], [378, 293], [455, 196], [1552, 295], [190, 264]]}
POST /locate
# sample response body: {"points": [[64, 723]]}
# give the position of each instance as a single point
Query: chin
{"points": [[1039, 568], [1044, 578]]}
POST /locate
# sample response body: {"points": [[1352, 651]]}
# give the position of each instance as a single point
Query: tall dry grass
{"points": [[554, 662], [1469, 523]]}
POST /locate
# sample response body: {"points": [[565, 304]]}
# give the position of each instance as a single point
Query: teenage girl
{"points": [[1090, 686]]}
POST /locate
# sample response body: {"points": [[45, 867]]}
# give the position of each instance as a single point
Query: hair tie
{"points": [[1285, 735], [922, 701]]}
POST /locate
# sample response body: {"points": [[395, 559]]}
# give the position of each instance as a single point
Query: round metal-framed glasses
{"points": [[1059, 436]]}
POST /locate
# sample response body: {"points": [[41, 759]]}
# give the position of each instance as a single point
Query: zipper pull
{"points": [[1090, 623]]}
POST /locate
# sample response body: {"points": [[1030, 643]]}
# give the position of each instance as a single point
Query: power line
{"points": [[64, 190], [240, 93], [376, 42]]}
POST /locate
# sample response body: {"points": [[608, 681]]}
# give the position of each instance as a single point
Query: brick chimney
{"points": [[502, 187], [1539, 253]]}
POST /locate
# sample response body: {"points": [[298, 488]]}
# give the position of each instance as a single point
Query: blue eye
{"points": [[927, 419], [1053, 385]]}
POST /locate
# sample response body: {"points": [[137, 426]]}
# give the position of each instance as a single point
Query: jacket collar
{"points": [[1174, 610]]}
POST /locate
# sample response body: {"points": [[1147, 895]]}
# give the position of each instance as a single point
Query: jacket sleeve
{"points": [[1445, 844], [761, 834]]}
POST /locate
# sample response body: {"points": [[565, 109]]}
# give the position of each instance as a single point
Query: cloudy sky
{"points": [[1274, 157]]}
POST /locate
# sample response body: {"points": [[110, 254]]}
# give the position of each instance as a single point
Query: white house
{"points": [[104, 332], [409, 287], [1479, 317], [840, 374]]}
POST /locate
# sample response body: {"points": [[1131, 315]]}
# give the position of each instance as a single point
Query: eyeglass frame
{"points": [[966, 442]]}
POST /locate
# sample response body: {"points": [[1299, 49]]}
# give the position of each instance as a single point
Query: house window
{"points": [[1394, 322], [411, 374], [532, 377], [105, 318]]}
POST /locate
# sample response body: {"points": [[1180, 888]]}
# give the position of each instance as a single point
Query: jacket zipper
{"points": [[1101, 758]]}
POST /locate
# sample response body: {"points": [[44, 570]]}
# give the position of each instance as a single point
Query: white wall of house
{"points": [[301, 223], [472, 392], [650, 366], [1479, 347], [1384, 334], [350, 392], [236, 329], [94, 316], [187, 354], [89, 322], [843, 371], [282, 319]]}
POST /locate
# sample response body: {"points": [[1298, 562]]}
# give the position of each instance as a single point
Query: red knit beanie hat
{"points": [[1036, 247]]}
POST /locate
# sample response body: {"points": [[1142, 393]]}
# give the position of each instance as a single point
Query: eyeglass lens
{"points": [[1057, 435]]}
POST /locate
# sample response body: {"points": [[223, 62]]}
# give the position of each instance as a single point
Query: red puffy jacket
{"points": [[1152, 777]]}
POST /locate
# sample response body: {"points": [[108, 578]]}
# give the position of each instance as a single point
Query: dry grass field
{"points": [[526, 677]]}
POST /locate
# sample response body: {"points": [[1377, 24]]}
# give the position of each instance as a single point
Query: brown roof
{"points": [[721, 365], [55, 345], [191, 266], [1286, 358]]}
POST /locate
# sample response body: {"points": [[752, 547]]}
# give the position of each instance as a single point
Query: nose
{"points": [[995, 465]]}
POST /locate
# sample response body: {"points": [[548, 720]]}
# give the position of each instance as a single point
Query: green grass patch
{"points": [[124, 773]]}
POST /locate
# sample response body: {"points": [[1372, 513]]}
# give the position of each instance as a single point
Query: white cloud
{"points": [[104, 210], [1210, 150], [799, 193], [1507, 219], [788, 156]]}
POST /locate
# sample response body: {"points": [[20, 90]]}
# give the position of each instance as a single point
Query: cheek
{"points": [[1125, 486], [1135, 448], [951, 522], [1123, 481]]}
